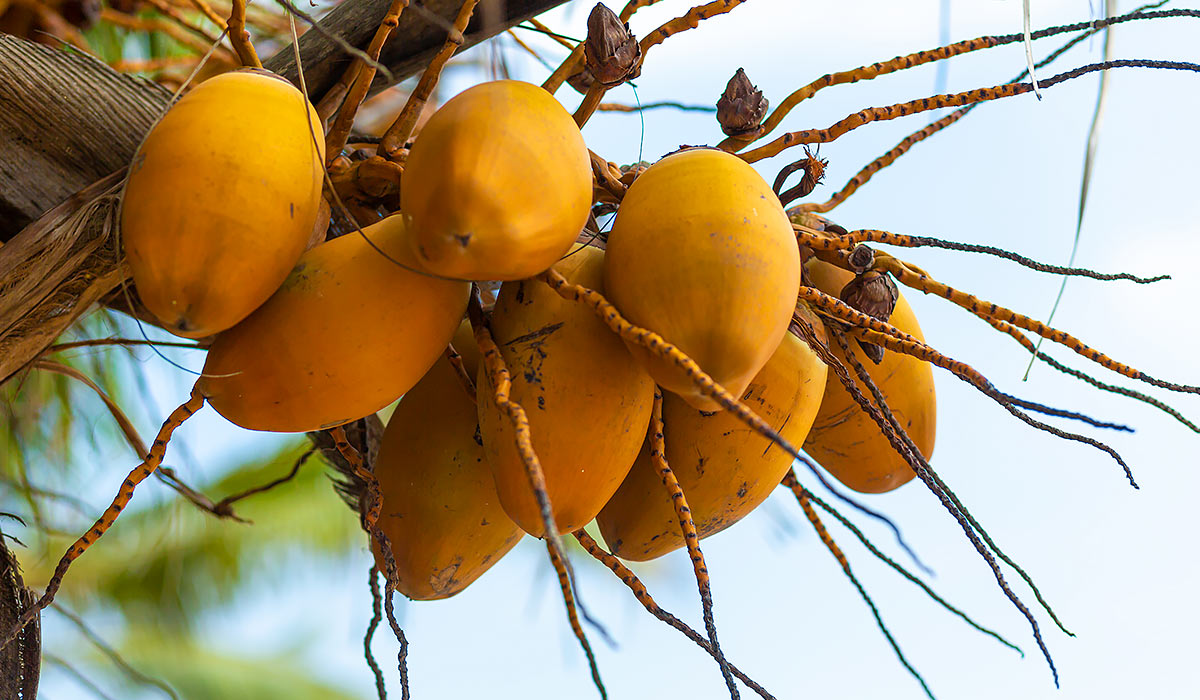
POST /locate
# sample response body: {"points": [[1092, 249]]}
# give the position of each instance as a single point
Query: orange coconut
{"points": [[498, 184], [587, 400], [725, 469], [702, 253], [222, 198], [440, 510], [845, 440], [347, 333]]}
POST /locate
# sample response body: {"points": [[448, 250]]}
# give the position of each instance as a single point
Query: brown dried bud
{"points": [[875, 294], [862, 258], [612, 53], [873, 352], [582, 80], [373, 176], [742, 106]]}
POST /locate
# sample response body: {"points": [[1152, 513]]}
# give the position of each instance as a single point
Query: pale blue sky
{"points": [[1118, 564]]}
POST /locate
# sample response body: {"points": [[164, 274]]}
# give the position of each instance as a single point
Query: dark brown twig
{"points": [[225, 503], [376, 618]]}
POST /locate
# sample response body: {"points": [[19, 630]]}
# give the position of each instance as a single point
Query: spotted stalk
{"points": [[811, 514], [501, 381], [825, 241], [643, 596], [397, 135], [364, 74], [153, 459], [656, 345], [793, 484], [354, 458], [687, 528], [919, 279], [904, 109], [239, 38]]}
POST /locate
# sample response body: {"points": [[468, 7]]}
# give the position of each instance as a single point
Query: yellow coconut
{"points": [[725, 469], [347, 333], [702, 253], [222, 198], [587, 400], [440, 510], [845, 440], [498, 184]]}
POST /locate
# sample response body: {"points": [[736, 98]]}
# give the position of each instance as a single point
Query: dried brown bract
{"points": [[612, 53], [582, 81], [742, 106], [875, 294]]}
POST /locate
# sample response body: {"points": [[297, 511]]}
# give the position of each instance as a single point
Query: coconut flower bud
{"points": [[875, 294], [612, 53], [742, 106]]}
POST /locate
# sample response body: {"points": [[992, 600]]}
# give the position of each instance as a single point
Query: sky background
{"points": [[1118, 565]]}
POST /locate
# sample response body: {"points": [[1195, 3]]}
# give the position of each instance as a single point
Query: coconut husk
{"points": [[21, 660], [55, 269]]}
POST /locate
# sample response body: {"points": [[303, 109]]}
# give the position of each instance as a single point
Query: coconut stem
{"points": [[239, 38], [397, 135]]}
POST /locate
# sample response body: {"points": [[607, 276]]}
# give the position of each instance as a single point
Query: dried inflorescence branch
{"points": [[612, 53], [742, 106], [813, 168]]}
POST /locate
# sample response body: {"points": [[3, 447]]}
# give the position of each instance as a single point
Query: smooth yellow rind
{"points": [[346, 334], [498, 184], [222, 198], [440, 511], [702, 253], [587, 400]]}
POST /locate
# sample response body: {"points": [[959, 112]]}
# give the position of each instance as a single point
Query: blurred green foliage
{"points": [[166, 565]]}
